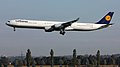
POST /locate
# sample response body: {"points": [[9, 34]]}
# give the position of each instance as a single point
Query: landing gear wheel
{"points": [[62, 32]]}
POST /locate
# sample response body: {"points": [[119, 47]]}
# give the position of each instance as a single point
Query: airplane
{"points": [[73, 25]]}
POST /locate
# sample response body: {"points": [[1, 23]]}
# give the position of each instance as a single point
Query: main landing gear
{"points": [[14, 29], [62, 32]]}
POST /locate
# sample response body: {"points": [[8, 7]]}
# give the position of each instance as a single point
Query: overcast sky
{"points": [[13, 43]]}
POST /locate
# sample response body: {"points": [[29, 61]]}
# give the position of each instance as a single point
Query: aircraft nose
{"points": [[7, 23]]}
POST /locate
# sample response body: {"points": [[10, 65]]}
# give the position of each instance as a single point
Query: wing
{"points": [[60, 27], [64, 25]]}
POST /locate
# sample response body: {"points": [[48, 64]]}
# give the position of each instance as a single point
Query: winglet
{"points": [[75, 20], [106, 19]]}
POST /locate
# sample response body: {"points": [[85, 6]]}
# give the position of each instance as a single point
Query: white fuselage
{"points": [[18, 23]]}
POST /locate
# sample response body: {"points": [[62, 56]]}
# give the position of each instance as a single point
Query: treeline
{"points": [[63, 60], [81, 59]]}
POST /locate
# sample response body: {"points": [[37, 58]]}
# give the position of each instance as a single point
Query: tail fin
{"points": [[106, 19]]}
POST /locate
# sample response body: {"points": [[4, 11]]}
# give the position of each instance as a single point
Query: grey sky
{"points": [[40, 43]]}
